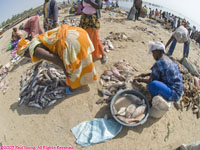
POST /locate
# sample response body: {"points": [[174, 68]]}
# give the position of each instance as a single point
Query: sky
{"points": [[188, 8], [8, 8]]}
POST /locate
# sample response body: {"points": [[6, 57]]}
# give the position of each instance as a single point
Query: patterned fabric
{"points": [[49, 24], [168, 73], [50, 11], [89, 21], [74, 47], [22, 46], [94, 36], [45, 9]]}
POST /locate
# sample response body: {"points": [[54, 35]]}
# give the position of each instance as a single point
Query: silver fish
{"points": [[21, 100], [51, 103], [139, 111], [130, 110], [33, 104]]}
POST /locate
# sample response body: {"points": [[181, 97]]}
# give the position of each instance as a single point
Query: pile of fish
{"points": [[4, 71], [118, 77], [42, 85], [107, 45], [144, 30], [117, 20], [129, 108], [121, 12], [72, 21], [121, 36], [191, 95]]}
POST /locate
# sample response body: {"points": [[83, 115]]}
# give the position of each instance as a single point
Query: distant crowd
{"points": [[171, 22]]}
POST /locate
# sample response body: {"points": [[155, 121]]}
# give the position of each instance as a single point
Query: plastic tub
{"points": [[136, 93]]}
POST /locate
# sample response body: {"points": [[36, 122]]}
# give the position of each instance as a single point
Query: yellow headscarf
{"points": [[22, 46]]}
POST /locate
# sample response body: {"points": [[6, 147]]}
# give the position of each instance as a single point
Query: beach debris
{"points": [[144, 30], [107, 45], [119, 36], [129, 111], [118, 77], [169, 131], [72, 21], [42, 85], [4, 86], [116, 20], [107, 42], [4, 70], [191, 94]]}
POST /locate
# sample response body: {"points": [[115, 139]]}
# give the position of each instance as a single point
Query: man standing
{"points": [[50, 11], [181, 35], [138, 6]]}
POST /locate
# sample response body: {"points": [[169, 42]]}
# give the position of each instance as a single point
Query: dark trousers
{"points": [[137, 14]]}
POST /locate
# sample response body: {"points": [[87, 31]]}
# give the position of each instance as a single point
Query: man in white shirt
{"points": [[180, 35]]}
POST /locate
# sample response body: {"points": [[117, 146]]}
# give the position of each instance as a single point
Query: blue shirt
{"points": [[168, 72]]}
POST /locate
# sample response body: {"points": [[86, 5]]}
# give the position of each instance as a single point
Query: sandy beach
{"points": [[26, 126]]}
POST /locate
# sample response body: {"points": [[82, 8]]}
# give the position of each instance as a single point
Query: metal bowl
{"points": [[136, 93]]}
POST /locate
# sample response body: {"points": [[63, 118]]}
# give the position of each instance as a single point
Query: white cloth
{"points": [[156, 46], [181, 34], [159, 107], [194, 146]]}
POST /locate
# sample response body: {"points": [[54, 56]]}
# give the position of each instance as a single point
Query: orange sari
{"points": [[74, 47], [94, 36]]}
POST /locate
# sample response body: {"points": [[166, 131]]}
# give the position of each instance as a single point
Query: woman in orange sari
{"points": [[66, 46], [90, 22]]}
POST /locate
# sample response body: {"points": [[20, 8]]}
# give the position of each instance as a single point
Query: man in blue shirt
{"points": [[165, 78]]}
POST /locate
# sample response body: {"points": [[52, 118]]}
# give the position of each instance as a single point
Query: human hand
{"points": [[138, 80], [67, 74], [142, 75]]}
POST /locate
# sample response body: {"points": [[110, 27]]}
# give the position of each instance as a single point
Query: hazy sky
{"points": [[8, 8], [188, 8]]}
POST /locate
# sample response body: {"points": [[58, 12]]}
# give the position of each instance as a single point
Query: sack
{"points": [[131, 14], [10, 46], [194, 146], [159, 107], [189, 66]]}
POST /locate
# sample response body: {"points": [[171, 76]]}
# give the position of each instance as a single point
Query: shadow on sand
{"points": [[25, 110]]}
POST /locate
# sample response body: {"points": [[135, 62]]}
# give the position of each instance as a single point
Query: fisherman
{"points": [[50, 11], [165, 79], [68, 47], [181, 35]]}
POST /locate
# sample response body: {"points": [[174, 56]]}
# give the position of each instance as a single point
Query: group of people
{"points": [[75, 48], [71, 48]]}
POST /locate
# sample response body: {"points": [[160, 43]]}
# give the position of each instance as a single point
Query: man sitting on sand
{"points": [[16, 35], [181, 35], [165, 79]]}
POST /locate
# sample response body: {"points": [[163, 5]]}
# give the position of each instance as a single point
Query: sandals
{"points": [[104, 59], [68, 91]]}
